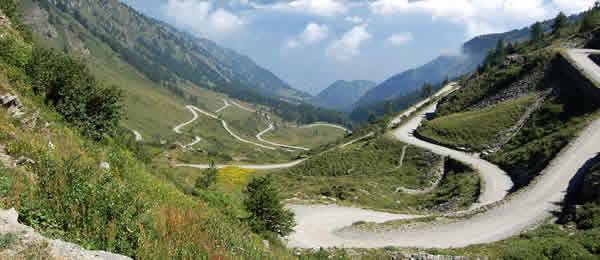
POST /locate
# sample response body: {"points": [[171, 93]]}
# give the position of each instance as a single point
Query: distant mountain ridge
{"points": [[472, 55], [166, 54], [341, 95]]}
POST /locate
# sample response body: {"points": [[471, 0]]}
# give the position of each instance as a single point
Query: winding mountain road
{"points": [[449, 88], [520, 211], [248, 166], [177, 129], [496, 183], [225, 106], [327, 125], [270, 128]]}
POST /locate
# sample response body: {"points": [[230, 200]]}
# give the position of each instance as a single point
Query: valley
{"points": [[124, 137]]}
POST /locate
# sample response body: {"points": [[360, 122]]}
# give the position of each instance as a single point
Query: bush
{"points": [[267, 213], [68, 85], [208, 177], [588, 216]]}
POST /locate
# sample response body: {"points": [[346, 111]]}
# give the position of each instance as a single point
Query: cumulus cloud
{"points": [[202, 17], [348, 46], [312, 34], [326, 8], [399, 39], [480, 16]]}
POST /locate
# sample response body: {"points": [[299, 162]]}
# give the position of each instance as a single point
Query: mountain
{"points": [[472, 55], [166, 54], [160, 68], [342, 94]]}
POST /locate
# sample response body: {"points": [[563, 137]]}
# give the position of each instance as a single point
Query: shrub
{"points": [[68, 85], [588, 216], [267, 213], [208, 177]]}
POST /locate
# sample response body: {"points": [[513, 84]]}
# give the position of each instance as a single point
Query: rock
{"points": [[9, 100], [28, 238], [266, 244], [513, 59], [25, 161], [104, 166]]}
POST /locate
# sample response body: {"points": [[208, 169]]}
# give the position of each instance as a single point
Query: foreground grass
{"points": [[477, 129]]}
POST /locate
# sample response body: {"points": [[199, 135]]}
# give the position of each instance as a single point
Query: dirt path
{"points": [[358, 139], [496, 183], [177, 129], [442, 92], [243, 107], [270, 128], [248, 167], [225, 106], [327, 125]]}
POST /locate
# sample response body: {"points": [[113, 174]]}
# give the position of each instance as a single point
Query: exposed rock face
{"points": [[517, 89], [25, 238]]}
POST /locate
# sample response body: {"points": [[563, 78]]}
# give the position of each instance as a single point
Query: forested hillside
{"points": [[341, 95]]}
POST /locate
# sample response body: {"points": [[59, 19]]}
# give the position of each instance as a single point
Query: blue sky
{"points": [[312, 43]]}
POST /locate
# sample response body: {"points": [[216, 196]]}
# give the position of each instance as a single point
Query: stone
{"points": [[25, 161], [266, 244], [105, 166]]}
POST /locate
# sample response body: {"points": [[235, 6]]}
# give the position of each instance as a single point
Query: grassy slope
{"points": [[154, 111], [475, 129], [161, 202], [367, 174], [130, 209], [310, 137]]}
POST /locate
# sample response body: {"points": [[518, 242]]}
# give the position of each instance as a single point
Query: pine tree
{"points": [[208, 177], [537, 32], [389, 108], [560, 22], [267, 213]]}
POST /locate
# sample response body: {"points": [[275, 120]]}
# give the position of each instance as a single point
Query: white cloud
{"points": [[202, 18], [348, 46], [399, 39], [354, 19], [312, 34], [326, 8], [478, 16], [570, 6]]}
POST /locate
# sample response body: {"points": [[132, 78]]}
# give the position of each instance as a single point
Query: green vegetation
{"points": [[309, 137], [370, 173], [129, 208], [69, 87], [176, 57], [208, 177], [547, 131], [475, 129], [382, 109], [267, 213], [6, 240]]}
